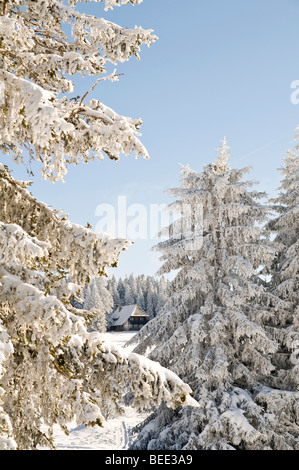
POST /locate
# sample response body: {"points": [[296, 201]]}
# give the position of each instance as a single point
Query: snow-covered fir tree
{"points": [[285, 276], [132, 282], [213, 330], [128, 297], [140, 300], [38, 106], [121, 290], [106, 297], [52, 369], [98, 299], [92, 299], [112, 288]]}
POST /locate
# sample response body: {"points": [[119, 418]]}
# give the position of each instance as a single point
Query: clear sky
{"points": [[220, 68]]}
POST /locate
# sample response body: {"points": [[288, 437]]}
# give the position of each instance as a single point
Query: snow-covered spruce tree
{"points": [[129, 299], [112, 288], [211, 331], [285, 284], [52, 369]]}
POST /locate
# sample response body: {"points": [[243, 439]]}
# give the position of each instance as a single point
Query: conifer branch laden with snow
{"points": [[285, 280]]}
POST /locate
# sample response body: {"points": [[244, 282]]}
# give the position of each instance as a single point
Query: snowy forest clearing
{"points": [[116, 433]]}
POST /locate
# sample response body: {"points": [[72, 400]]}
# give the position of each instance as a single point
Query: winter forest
{"points": [[216, 365]]}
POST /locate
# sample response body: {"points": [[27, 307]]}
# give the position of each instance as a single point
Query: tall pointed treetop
{"points": [[221, 163]]}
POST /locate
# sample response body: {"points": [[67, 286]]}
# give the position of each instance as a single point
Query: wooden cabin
{"points": [[128, 317]]}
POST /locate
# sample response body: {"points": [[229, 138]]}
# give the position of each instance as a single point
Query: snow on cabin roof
{"points": [[127, 311]]}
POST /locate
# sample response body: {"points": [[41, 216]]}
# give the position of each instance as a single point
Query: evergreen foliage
{"points": [[215, 331]]}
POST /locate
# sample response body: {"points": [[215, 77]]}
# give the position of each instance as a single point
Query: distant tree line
{"points": [[149, 292]]}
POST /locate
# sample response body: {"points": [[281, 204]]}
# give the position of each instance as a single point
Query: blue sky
{"points": [[220, 68]]}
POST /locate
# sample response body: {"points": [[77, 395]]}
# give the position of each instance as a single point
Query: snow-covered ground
{"points": [[116, 433], [114, 436], [119, 337]]}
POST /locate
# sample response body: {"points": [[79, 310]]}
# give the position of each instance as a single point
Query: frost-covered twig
{"points": [[112, 77]]}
